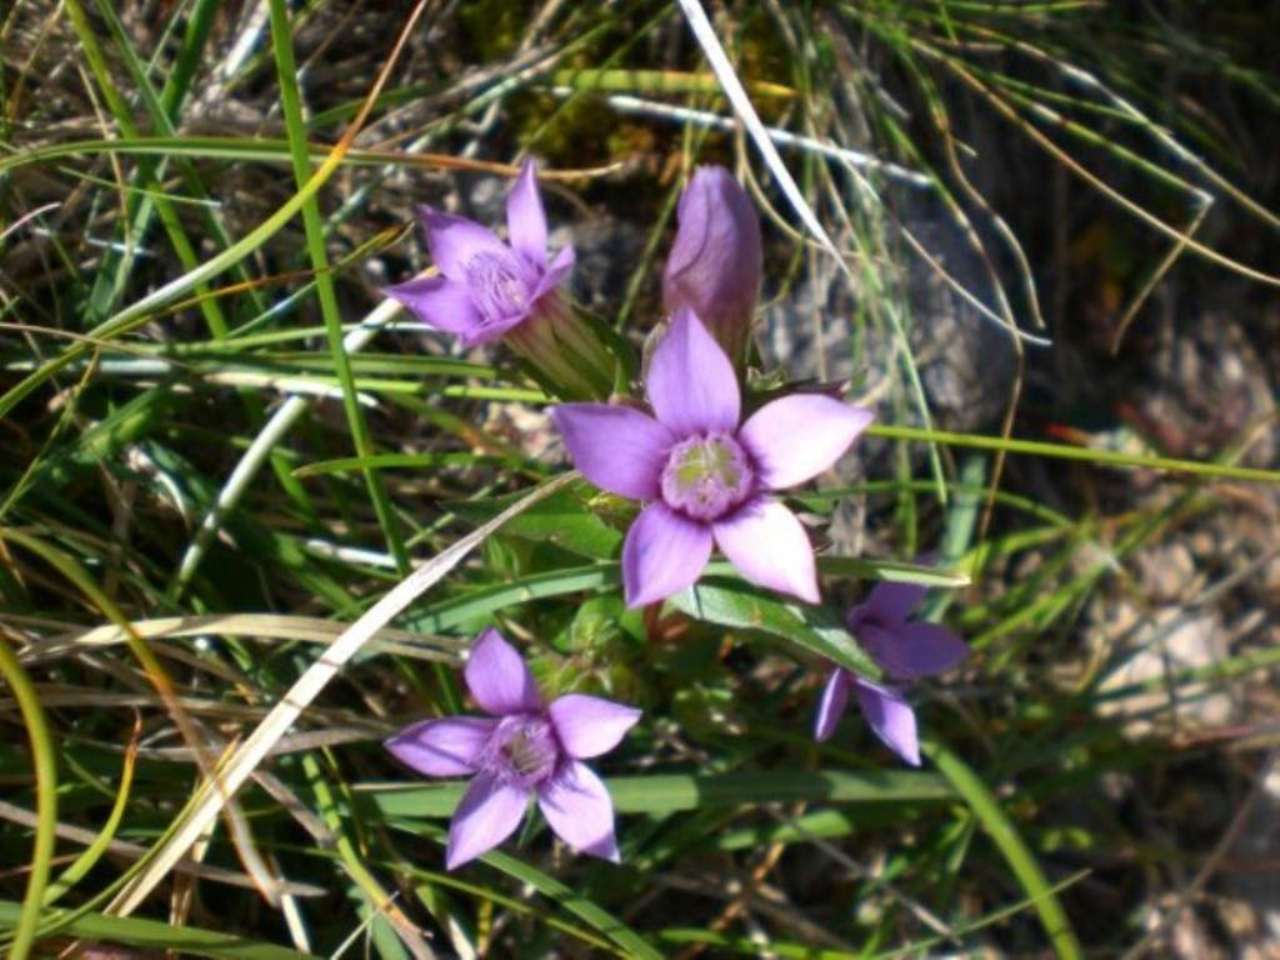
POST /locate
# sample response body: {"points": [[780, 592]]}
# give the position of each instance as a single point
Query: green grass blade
{"points": [[1112, 458], [282, 41], [91, 854], [1005, 835], [24, 920], [158, 936]]}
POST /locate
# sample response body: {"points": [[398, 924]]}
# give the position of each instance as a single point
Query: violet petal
{"points": [[767, 544], [891, 719], [921, 650], [617, 448], [795, 438], [589, 726], [691, 383], [441, 303], [558, 270], [889, 603], [498, 679], [455, 241], [448, 747], [835, 697], [526, 220], [663, 553], [488, 813], [577, 805]]}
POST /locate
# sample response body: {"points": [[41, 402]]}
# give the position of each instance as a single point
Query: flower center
{"points": [[499, 287], [706, 477], [522, 750]]}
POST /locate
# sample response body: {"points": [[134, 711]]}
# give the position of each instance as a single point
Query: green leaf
{"points": [[565, 520], [749, 608], [672, 792]]}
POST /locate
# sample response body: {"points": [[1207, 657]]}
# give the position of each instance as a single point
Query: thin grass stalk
{"points": [[1005, 835], [1114, 458], [282, 41], [46, 784]]}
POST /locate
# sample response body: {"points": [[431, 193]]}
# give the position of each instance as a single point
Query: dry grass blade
{"points": [[241, 764], [262, 625], [132, 851]]}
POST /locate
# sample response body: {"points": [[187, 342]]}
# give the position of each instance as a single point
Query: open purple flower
{"points": [[715, 264], [485, 287], [488, 289], [905, 651], [707, 477], [522, 748]]}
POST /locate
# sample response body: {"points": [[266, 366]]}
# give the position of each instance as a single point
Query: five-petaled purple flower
{"points": [[905, 651], [705, 475], [486, 287], [523, 747]]}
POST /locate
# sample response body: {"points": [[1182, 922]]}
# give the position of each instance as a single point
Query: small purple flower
{"points": [[905, 651], [523, 747], [706, 477], [486, 287], [715, 264]]}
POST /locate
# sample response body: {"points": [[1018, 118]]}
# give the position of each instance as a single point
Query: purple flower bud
{"points": [[906, 651], [715, 263], [523, 748], [707, 477]]}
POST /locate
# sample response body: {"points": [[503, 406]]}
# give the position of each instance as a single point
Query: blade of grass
{"points": [[291, 106], [24, 919], [160, 936], [378, 900], [1115, 458], [154, 670], [1005, 835], [260, 626], [106, 834], [105, 294]]}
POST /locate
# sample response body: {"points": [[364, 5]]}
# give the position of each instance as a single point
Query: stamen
{"points": [[522, 750], [499, 287], [706, 477]]}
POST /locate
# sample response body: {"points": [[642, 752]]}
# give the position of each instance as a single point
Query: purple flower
{"points": [[714, 266], [905, 651], [706, 477], [486, 287], [523, 747]]}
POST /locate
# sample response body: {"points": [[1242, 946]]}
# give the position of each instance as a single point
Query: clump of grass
{"points": [[252, 515]]}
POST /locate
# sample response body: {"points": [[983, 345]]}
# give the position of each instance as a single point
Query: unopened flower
{"points": [[715, 263], [522, 748], [486, 289], [906, 651], [706, 476]]}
